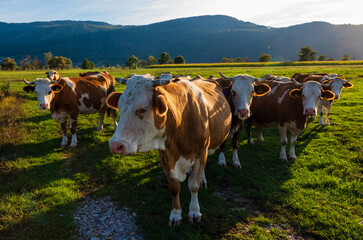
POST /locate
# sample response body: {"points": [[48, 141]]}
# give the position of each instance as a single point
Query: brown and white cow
{"points": [[239, 91], [69, 97], [337, 83], [270, 77], [185, 120], [287, 105], [53, 75]]}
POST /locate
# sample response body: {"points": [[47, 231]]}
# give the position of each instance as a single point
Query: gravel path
{"points": [[101, 219]]}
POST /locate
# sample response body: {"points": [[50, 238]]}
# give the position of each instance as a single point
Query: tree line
{"points": [[59, 62]]}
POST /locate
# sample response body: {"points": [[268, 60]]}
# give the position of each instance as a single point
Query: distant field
{"points": [[317, 196]]}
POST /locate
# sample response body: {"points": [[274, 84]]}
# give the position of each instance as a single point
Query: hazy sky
{"points": [[275, 13]]}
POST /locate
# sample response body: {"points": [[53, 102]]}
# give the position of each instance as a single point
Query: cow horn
{"points": [[347, 80], [327, 84], [29, 83], [296, 82], [223, 76], [160, 82], [121, 80], [263, 78]]}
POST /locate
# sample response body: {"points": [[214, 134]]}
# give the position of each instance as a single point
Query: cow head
{"points": [[142, 115], [310, 93], [337, 84], [44, 89], [52, 75], [243, 88]]}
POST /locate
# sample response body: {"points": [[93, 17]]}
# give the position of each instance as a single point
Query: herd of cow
{"points": [[187, 119]]}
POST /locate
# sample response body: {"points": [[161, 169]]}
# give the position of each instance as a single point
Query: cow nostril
{"points": [[120, 148]]}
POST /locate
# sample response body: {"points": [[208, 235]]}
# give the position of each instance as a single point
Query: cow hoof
{"points": [[237, 165], [174, 223], [73, 145], [194, 219], [283, 158], [222, 163], [292, 157], [250, 141]]}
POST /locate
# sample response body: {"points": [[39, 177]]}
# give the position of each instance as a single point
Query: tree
{"points": [[345, 58], [164, 58], [227, 60], [87, 64], [307, 54], [60, 63], [142, 63], [322, 58], [238, 59], [47, 57], [247, 59], [264, 58], [179, 60], [8, 64], [151, 60], [332, 59], [132, 62]]}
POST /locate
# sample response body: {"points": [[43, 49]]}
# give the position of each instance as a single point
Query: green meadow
{"points": [[317, 196]]}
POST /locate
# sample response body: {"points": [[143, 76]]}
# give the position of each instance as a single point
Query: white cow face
{"points": [[337, 86], [310, 93], [44, 89], [136, 131], [52, 75], [243, 90]]}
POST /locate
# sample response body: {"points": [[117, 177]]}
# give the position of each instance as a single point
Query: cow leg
{"points": [[73, 128], [321, 112], [260, 136], [64, 132], [327, 112], [222, 158], [194, 215], [235, 158], [248, 127], [283, 141], [114, 117], [293, 139], [203, 180], [101, 115], [175, 217]]}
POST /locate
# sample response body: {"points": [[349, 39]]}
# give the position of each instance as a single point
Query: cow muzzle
{"points": [[117, 148], [243, 113], [43, 106], [310, 112]]}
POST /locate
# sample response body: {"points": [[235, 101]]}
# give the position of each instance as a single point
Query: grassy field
{"points": [[317, 196]]}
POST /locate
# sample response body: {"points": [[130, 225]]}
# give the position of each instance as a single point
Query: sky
{"points": [[272, 13]]}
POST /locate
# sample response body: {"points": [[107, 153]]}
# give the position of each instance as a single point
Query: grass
{"points": [[317, 196]]}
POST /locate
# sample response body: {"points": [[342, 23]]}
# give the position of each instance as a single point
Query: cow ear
{"points": [[161, 108], [112, 99], [325, 81], [29, 88], [261, 89], [295, 93], [56, 88], [225, 83], [327, 95], [347, 85]]}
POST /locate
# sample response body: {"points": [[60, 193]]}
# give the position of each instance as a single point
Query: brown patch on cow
{"points": [[347, 84], [261, 89], [327, 95], [160, 109]]}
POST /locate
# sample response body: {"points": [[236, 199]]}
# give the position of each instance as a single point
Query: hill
{"points": [[198, 39]]}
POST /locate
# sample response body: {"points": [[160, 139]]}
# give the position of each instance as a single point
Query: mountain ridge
{"points": [[205, 38]]}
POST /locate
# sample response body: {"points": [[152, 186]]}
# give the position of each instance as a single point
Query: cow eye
{"points": [[50, 92], [141, 111]]}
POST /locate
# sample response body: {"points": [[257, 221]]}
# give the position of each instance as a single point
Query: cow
{"points": [[270, 77], [183, 119], [337, 83], [319, 77], [287, 105], [69, 97], [53, 75], [239, 91]]}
